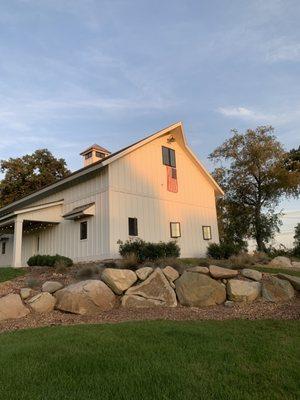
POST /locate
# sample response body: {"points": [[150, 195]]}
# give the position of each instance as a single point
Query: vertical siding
{"points": [[138, 188]]}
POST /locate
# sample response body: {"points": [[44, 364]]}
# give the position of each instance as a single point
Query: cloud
{"points": [[282, 50], [278, 118], [244, 113]]}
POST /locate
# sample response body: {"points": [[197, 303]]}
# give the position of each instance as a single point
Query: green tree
{"points": [[254, 177], [24, 175]]}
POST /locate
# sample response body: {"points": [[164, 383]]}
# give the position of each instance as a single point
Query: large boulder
{"points": [[276, 290], [119, 280], [252, 274], [143, 273], [11, 306], [281, 262], [199, 270], [197, 290], [52, 286], [87, 297], [220, 273], [155, 287], [243, 291], [170, 273], [294, 280], [133, 301], [42, 302]]}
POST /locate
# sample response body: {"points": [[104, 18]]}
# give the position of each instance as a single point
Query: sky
{"points": [[78, 72]]}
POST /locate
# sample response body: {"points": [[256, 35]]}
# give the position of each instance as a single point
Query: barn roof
{"points": [[93, 168]]}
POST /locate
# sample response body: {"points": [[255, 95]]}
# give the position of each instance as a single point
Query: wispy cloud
{"points": [[247, 114], [282, 50]]}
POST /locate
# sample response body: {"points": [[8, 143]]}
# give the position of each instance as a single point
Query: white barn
{"points": [[155, 190]]}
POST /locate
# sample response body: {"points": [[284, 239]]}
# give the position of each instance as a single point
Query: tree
{"points": [[293, 160], [254, 178], [24, 175], [297, 241]]}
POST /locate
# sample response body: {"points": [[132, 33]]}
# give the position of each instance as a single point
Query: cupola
{"points": [[93, 154]]}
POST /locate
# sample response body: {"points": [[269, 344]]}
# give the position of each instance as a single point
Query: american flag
{"points": [[172, 183]]}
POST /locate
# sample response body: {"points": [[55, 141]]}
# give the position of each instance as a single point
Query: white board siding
{"points": [[64, 238], [138, 188]]}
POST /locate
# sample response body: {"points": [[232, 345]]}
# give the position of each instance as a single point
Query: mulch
{"points": [[251, 311]]}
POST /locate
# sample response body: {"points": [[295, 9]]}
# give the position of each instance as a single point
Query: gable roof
{"points": [[92, 168]]}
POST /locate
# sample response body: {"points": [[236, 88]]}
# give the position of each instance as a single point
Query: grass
{"points": [[153, 360], [8, 273]]}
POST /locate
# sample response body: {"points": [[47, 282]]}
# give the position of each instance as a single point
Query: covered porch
{"points": [[26, 221]]}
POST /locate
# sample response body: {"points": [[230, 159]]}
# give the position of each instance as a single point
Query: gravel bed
{"points": [[257, 310]]}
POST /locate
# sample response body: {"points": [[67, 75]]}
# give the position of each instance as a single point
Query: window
{"points": [[175, 229], [38, 244], [89, 155], [3, 247], [99, 154], [206, 230], [168, 156], [83, 230], [133, 226]]}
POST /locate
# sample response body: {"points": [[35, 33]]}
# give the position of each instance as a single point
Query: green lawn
{"points": [[153, 360], [8, 273]]}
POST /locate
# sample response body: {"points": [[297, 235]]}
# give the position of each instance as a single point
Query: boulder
{"points": [[86, 298], [144, 272], [155, 287], [25, 293], [42, 302], [197, 290], [52, 286], [133, 301], [243, 291], [252, 274], [11, 306], [281, 262], [220, 273], [276, 290], [198, 269], [294, 280], [296, 264], [119, 280], [170, 273]]}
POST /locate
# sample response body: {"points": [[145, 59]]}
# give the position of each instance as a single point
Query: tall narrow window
{"points": [[206, 230], [168, 156], [133, 226], [175, 230], [83, 230], [3, 247], [38, 244]]}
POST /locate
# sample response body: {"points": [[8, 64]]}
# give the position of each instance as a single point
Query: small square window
{"points": [[89, 155], [83, 230], [175, 230], [99, 154], [3, 247], [206, 230], [133, 226]]}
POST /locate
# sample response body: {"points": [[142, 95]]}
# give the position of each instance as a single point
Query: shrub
{"points": [[149, 251], [49, 261], [86, 272], [130, 262], [222, 250], [32, 283], [172, 262]]}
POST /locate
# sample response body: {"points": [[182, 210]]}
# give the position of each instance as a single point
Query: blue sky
{"points": [[75, 72]]}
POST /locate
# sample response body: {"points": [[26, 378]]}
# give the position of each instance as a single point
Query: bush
{"points": [[222, 250], [32, 283], [87, 272], [49, 261], [130, 262], [149, 251]]}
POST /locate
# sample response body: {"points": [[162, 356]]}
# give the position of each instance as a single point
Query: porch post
{"points": [[17, 250]]}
